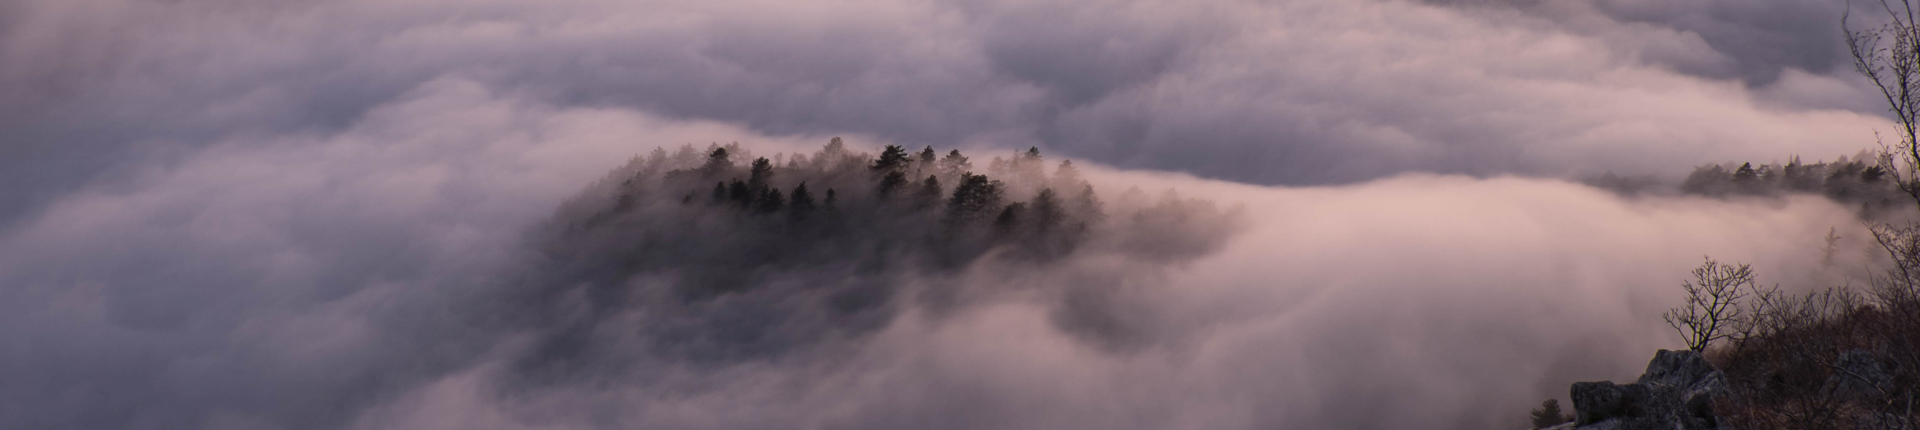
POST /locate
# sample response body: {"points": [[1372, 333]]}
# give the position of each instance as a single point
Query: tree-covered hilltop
{"points": [[1861, 181], [714, 250]]}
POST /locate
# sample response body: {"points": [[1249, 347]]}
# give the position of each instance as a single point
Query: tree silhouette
{"points": [[954, 164], [760, 175], [1889, 56], [740, 193], [718, 163], [1008, 222], [1549, 414], [928, 195], [926, 161], [1067, 177], [891, 183], [892, 159], [1086, 206], [1713, 303], [974, 198], [802, 200], [1047, 213], [771, 201]]}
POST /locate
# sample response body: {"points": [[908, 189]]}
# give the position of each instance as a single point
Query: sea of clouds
{"points": [[222, 214]]}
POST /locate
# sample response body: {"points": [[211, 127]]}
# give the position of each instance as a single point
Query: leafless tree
{"points": [[1889, 55], [1713, 306], [1789, 355]]}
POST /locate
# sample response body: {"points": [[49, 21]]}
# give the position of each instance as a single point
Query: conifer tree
{"points": [[1009, 220], [760, 175], [1047, 212], [1066, 177], [954, 164], [1086, 206], [1745, 173], [974, 197], [1549, 414], [929, 193], [892, 159], [925, 161], [802, 200], [718, 163], [740, 194], [891, 183], [771, 201]]}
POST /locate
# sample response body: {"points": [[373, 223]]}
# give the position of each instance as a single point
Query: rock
{"points": [[1676, 368], [1676, 392], [1596, 401], [1858, 376]]}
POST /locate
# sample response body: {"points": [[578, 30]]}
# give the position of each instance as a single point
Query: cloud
{"points": [[309, 214], [280, 279], [1753, 42], [332, 280], [1296, 92]]}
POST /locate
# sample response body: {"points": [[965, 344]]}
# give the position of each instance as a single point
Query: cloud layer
{"points": [[222, 214], [1295, 92], [332, 281]]}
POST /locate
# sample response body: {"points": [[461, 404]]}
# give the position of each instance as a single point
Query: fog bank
{"points": [[346, 280]]}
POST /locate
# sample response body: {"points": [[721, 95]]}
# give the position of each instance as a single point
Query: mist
{"points": [[1313, 214]]}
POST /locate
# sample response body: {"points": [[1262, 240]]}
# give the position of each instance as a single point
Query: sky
{"points": [[244, 214]]}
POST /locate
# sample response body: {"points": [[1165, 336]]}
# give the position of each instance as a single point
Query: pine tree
{"points": [[892, 159], [1028, 169], [1086, 207], [954, 164], [926, 160], [1067, 177], [1745, 173], [740, 194], [760, 175], [929, 193], [771, 201], [718, 163], [973, 198], [802, 200], [891, 183], [1046, 211], [1009, 220], [1549, 415]]}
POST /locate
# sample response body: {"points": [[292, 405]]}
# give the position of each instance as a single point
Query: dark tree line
{"points": [[725, 249], [1862, 181]]}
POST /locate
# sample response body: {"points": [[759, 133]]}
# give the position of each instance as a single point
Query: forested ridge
{"points": [[715, 255]]}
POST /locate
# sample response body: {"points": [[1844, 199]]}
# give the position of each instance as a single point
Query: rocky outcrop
{"points": [[1675, 393]]}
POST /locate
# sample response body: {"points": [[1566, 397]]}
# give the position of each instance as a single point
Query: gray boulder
{"points": [[1677, 391], [1858, 377]]}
